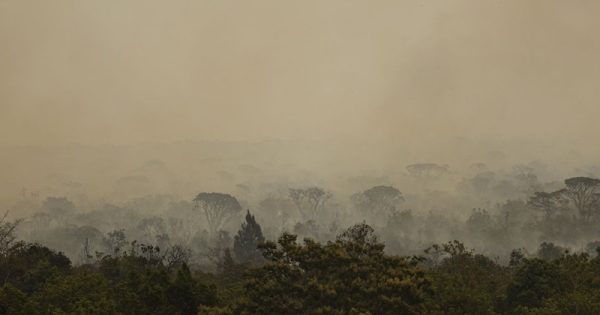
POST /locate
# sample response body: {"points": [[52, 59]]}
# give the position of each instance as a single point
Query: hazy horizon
{"points": [[386, 71]]}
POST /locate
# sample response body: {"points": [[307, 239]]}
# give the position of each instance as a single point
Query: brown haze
{"points": [[117, 111], [153, 71], [413, 81]]}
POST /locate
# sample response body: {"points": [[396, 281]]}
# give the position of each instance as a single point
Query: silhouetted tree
{"points": [[480, 221], [548, 251], [152, 227], [218, 208], [583, 192], [7, 233], [309, 201], [378, 200], [177, 255], [226, 263], [245, 243], [186, 294], [549, 203], [115, 242]]}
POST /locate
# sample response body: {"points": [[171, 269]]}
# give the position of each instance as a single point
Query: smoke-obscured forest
{"points": [[73, 197], [310, 157], [225, 224]]}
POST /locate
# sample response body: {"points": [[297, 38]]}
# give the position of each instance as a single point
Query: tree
{"points": [[427, 171], [29, 266], [245, 243], [213, 246], [186, 294], [480, 221], [548, 251], [177, 255], [218, 208], [351, 275], [309, 201], [84, 292], [13, 301], [549, 203], [142, 284], [525, 175], [464, 282], [378, 200], [535, 281], [7, 234], [152, 227], [226, 263], [115, 241], [583, 193]]}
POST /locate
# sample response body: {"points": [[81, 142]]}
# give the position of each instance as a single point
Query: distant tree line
{"points": [[157, 265], [351, 274]]}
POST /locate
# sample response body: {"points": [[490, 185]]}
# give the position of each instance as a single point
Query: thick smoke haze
{"points": [[299, 157], [398, 72], [121, 112]]}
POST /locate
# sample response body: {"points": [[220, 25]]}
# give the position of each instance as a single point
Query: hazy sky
{"points": [[143, 71]]}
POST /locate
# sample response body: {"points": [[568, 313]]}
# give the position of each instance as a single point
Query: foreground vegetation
{"points": [[349, 275]]}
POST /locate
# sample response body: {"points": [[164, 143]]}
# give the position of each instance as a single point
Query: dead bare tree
{"points": [[177, 255]]}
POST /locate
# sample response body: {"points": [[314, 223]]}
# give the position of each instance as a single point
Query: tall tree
{"points": [[7, 233], [187, 294], [245, 243], [218, 208], [549, 203], [309, 201], [583, 192], [378, 200]]}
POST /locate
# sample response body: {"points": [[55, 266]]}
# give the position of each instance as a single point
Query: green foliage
{"points": [[567, 285], [12, 300], [187, 294], [535, 281], [37, 280], [83, 292], [247, 240], [349, 276], [29, 266], [144, 286], [465, 283]]}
